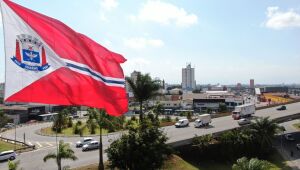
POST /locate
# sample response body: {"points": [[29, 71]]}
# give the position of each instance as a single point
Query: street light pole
{"points": [[15, 136]]}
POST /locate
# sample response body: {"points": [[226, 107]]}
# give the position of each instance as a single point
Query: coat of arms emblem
{"points": [[30, 53]]}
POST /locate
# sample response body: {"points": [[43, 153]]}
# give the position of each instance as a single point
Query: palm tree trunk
{"points": [[141, 112], [101, 166]]}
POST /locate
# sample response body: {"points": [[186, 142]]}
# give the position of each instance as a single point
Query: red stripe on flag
{"points": [[62, 87]]}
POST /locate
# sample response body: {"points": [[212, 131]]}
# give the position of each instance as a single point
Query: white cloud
{"points": [[108, 4], [279, 20], [165, 13], [140, 43]]}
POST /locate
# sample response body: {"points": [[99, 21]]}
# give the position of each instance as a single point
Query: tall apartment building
{"points": [[133, 76], [188, 78], [252, 83]]}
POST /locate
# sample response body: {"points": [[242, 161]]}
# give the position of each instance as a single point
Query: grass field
{"points": [[69, 131], [4, 146], [297, 125]]}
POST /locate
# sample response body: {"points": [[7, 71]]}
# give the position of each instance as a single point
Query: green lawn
{"points": [[4, 146], [69, 131], [297, 125], [175, 162]]}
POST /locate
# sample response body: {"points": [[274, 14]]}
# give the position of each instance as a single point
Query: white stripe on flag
{"points": [[86, 70]]}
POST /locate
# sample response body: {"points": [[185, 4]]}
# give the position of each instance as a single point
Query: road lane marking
{"points": [[39, 144], [49, 144]]}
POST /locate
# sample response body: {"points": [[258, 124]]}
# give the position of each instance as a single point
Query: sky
{"points": [[227, 41]]}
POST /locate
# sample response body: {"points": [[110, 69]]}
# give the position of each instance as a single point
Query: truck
{"points": [[242, 111], [203, 120]]}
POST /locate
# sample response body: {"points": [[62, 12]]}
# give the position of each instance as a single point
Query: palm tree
{"points": [[252, 164], [158, 109], [264, 131], [64, 152], [143, 88]]}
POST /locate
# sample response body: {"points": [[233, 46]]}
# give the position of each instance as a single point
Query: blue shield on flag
{"points": [[31, 56]]}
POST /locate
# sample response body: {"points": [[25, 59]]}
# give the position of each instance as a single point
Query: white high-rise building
{"points": [[188, 78]]}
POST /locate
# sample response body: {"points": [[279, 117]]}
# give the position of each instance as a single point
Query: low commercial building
{"points": [[204, 104], [19, 114], [275, 89]]}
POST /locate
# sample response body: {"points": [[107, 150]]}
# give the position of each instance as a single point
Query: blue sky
{"points": [[226, 41]]}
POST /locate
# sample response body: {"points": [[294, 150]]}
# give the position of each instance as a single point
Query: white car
{"points": [[90, 146], [8, 155], [244, 121], [298, 146], [83, 142], [182, 123]]}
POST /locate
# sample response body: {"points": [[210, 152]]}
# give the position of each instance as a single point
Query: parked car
{"points": [[182, 123], [244, 121], [8, 155], [9, 126], [298, 146], [281, 108], [83, 142], [90, 146], [289, 137]]}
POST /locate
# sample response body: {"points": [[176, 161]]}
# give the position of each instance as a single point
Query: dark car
{"points": [[282, 108], [289, 137]]}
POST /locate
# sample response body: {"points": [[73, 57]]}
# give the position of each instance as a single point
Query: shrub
{"points": [[76, 129], [133, 118], [70, 122]]}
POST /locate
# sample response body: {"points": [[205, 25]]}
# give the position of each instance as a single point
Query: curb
{"points": [[38, 132]]}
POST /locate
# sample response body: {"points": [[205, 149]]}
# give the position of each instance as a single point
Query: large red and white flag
{"points": [[48, 62]]}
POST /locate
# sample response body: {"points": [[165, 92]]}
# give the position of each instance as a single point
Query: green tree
{"points": [[202, 142], [264, 131], [13, 165], [158, 110], [60, 122], [143, 89], [64, 152], [143, 147], [222, 107], [91, 123], [252, 164], [70, 122]]}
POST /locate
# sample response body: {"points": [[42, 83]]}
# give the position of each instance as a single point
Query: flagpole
{"points": [[101, 166]]}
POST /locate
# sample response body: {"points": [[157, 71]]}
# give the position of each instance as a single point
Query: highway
{"points": [[177, 136]]}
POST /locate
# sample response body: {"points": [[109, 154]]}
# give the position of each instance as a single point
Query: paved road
{"points": [[174, 134], [286, 147]]}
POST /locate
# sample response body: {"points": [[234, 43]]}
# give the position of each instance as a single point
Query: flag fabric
{"points": [[48, 62]]}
